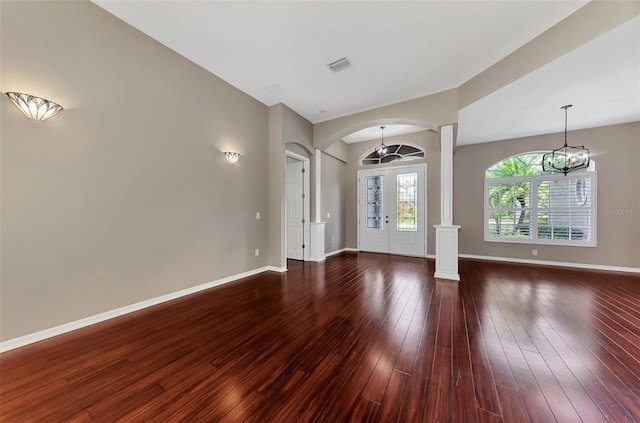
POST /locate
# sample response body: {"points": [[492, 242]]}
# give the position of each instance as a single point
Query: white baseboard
{"points": [[448, 276], [554, 263], [334, 252], [342, 250], [270, 269], [316, 259], [87, 321], [355, 250]]}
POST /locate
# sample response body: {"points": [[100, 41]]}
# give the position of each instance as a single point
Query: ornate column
{"points": [[446, 231]]}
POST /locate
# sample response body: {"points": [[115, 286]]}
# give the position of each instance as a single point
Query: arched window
{"points": [[525, 204], [397, 152]]}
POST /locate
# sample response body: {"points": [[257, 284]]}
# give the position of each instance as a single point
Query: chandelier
{"points": [[382, 150], [566, 158]]}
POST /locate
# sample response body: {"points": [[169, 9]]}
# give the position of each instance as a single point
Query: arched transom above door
{"points": [[396, 152]]}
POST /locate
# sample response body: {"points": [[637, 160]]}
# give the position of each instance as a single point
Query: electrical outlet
{"points": [[257, 252], [333, 239], [257, 215], [534, 252], [328, 215]]}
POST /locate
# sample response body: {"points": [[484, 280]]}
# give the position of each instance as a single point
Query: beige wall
{"points": [[287, 130], [297, 133], [276, 188], [333, 197], [125, 195], [296, 129], [616, 151], [297, 149], [428, 140], [339, 150]]}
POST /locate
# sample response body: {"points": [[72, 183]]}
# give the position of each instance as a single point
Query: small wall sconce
{"points": [[34, 107], [231, 157]]}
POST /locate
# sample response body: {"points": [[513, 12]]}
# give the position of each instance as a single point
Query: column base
{"points": [[316, 250], [447, 252]]}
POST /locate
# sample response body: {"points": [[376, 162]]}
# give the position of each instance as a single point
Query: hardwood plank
{"points": [[361, 337], [532, 397], [119, 405], [464, 407], [596, 352], [581, 400], [465, 402], [392, 400], [484, 383], [412, 409], [490, 346], [375, 388], [592, 384], [507, 341], [410, 348], [363, 411], [245, 408], [560, 405], [444, 337], [512, 406], [300, 397], [438, 395]]}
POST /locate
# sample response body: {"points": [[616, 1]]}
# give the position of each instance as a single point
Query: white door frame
{"points": [[306, 204], [423, 203]]}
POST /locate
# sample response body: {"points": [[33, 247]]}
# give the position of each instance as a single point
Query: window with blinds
{"points": [[541, 208]]}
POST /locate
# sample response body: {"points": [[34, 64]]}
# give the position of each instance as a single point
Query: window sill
{"points": [[561, 243]]}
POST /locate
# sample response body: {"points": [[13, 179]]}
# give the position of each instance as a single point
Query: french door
{"points": [[392, 210]]}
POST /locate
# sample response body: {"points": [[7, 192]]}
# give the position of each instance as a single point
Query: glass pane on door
{"points": [[374, 202], [407, 202]]}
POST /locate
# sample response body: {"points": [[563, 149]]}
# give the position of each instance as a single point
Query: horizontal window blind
{"points": [[545, 209]]}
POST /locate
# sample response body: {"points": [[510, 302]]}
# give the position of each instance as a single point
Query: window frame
{"points": [[533, 180], [395, 157]]}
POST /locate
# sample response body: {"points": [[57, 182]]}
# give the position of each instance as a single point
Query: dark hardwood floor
{"points": [[362, 337]]}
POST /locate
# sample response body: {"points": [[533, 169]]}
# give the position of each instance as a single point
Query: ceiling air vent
{"points": [[275, 89], [340, 64]]}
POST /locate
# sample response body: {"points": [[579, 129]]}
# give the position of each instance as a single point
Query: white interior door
{"points": [[295, 209], [392, 211]]}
